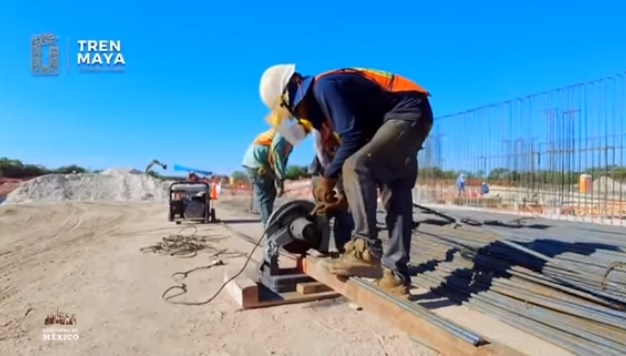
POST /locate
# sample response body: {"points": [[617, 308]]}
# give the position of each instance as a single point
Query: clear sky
{"points": [[189, 93]]}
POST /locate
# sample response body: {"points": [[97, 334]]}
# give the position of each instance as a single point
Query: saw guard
{"points": [[285, 215]]}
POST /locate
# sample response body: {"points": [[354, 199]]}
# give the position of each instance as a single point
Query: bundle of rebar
{"points": [[572, 294]]}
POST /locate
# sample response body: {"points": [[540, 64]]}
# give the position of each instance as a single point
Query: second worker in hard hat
{"points": [[265, 163], [380, 120]]}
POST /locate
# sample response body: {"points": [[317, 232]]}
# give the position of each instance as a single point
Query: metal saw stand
{"points": [[282, 280]]}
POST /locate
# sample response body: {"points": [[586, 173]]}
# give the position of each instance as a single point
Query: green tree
{"points": [[70, 169], [296, 172], [239, 176], [13, 168], [498, 174]]}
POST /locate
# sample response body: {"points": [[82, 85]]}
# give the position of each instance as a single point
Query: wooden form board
{"points": [[442, 341], [249, 294]]}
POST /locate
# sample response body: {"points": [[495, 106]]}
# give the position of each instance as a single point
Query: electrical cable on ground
{"points": [[183, 287], [187, 273], [184, 245]]}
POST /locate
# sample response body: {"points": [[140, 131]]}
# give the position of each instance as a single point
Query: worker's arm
{"points": [[324, 160], [280, 149], [330, 98]]}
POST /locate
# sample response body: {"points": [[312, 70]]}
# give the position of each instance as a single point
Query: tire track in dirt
{"points": [[22, 252], [36, 234], [92, 231], [26, 271], [37, 241], [83, 224]]}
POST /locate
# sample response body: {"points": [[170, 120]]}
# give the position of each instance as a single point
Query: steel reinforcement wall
{"points": [[558, 153]]}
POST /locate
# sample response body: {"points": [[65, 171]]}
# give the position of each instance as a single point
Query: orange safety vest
{"points": [[388, 81], [265, 139], [330, 139]]}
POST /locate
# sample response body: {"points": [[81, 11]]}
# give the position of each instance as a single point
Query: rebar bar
{"points": [[546, 287]]}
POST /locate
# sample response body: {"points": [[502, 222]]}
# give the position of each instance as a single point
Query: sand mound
{"points": [[120, 171], [608, 185], [114, 185]]}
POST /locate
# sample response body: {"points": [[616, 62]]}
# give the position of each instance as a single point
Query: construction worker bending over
{"points": [[265, 162], [381, 121], [343, 223]]}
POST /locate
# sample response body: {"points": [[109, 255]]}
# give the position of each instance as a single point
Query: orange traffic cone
{"points": [[213, 191]]}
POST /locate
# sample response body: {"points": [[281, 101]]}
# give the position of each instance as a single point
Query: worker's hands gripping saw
{"points": [[324, 190], [325, 197], [339, 202]]}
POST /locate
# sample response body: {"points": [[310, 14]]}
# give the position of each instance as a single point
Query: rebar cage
{"points": [[559, 153]]}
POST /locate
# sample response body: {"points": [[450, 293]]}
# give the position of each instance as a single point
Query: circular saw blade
{"points": [[285, 215]]}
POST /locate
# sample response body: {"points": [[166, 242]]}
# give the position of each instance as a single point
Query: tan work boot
{"points": [[356, 261], [392, 285], [349, 246]]}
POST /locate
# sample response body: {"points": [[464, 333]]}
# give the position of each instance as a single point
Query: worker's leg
{"points": [[270, 195], [264, 193], [397, 200], [389, 157], [342, 228]]}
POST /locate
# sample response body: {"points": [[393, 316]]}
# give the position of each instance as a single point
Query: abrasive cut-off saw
{"points": [[294, 228]]}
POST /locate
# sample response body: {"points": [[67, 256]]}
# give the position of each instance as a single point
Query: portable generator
{"points": [[191, 201]]}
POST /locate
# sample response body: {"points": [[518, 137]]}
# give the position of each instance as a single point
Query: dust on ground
{"points": [[85, 259]]}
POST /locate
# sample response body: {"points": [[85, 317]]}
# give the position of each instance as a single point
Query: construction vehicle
{"points": [[153, 163]]}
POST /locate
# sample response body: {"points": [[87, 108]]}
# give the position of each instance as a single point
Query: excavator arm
{"points": [[153, 163]]}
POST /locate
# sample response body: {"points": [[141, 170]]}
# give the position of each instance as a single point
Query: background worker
{"points": [[460, 184], [343, 223], [382, 120], [484, 189], [265, 162]]}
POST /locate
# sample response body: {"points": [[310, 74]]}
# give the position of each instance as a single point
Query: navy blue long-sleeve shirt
{"points": [[357, 107]]}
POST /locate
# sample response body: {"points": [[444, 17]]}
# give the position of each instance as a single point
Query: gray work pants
{"points": [[263, 192], [388, 160]]}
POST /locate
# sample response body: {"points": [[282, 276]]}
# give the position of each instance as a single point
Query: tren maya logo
{"points": [[49, 53]]}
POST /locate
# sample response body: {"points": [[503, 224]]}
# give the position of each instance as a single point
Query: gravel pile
{"points": [[112, 185], [609, 186]]}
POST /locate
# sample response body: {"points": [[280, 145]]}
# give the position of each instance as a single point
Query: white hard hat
{"points": [[273, 83]]}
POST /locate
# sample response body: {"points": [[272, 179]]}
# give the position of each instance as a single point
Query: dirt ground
{"points": [[85, 259]]}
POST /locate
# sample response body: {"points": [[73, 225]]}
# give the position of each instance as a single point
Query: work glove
{"points": [[335, 204], [324, 190], [265, 173], [280, 188]]}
